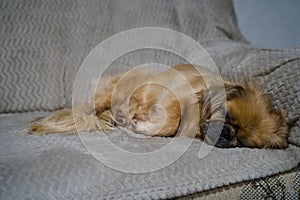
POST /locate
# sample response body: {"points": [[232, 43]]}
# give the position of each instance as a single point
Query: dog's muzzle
{"points": [[219, 134]]}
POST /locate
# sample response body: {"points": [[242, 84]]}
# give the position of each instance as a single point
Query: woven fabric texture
{"points": [[43, 43], [276, 187], [58, 166]]}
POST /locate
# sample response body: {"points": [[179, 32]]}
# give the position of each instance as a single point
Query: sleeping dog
{"points": [[158, 103]]}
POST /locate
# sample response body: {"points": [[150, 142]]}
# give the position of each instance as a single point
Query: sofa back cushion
{"points": [[44, 42]]}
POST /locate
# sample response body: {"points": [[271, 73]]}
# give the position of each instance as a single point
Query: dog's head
{"points": [[246, 119]]}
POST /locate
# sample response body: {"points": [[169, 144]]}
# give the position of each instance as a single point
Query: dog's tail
{"points": [[68, 121]]}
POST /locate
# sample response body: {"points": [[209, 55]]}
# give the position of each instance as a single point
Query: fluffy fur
{"points": [[164, 103]]}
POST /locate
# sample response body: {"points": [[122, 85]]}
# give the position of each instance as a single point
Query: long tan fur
{"points": [[66, 121], [144, 101]]}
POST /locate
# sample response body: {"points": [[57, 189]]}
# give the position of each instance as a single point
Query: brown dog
{"points": [[174, 101]]}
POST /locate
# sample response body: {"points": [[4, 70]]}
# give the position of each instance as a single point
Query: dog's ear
{"points": [[201, 95], [233, 90], [204, 102]]}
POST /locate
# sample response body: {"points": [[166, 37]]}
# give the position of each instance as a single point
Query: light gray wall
{"points": [[270, 23]]}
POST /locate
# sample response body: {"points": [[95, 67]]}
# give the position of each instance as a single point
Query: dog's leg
{"points": [[82, 118]]}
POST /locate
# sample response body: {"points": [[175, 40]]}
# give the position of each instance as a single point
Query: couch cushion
{"points": [[44, 42]]}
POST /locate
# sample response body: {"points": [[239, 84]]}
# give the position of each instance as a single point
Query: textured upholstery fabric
{"points": [[43, 43]]}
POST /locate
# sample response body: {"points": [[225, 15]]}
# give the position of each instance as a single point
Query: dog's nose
{"points": [[218, 133], [120, 118], [227, 132]]}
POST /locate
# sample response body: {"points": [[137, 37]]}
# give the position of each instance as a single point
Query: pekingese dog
{"points": [[182, 98]]}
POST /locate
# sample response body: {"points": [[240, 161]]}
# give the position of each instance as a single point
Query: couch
{"points": [[43, 44]]}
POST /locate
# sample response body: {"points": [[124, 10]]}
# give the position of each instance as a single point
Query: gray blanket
{"points": [[59, 167]]}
